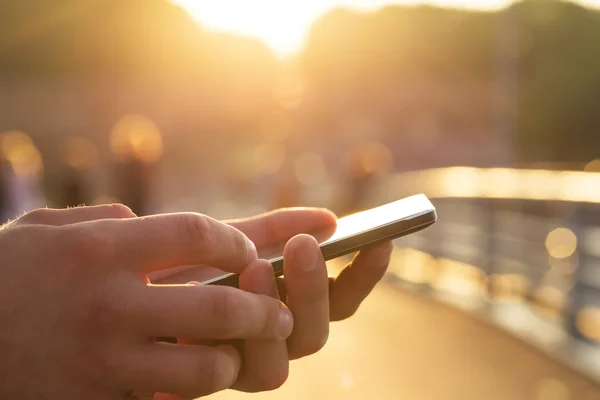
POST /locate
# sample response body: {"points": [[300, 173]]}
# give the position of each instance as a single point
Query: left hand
{"points": [[313, 297]]}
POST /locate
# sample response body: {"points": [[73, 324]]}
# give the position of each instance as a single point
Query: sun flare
{"points": [[283, 25]]}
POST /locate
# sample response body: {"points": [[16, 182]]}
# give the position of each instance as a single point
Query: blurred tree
{"points": [[559, 60], [358, 56]]}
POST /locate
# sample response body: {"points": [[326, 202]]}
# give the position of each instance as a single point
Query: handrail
{"points": [[502, 183], [454, 185]]}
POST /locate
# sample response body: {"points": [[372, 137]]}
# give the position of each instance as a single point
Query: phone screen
{"points": [[363, 222]]}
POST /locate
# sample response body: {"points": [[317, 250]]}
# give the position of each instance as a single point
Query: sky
{"points": [[284, 24]]}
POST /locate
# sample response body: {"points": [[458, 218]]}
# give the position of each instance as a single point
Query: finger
{"points": [[281, 225], [198, 341], [307, 288], [358, 279], [67, 216], [209, 312], [266, 364], [188, 371], [169, 240]]}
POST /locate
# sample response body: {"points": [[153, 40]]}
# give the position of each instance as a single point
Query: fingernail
{"points": [[286, 322], [307, 258], [252, 254]]}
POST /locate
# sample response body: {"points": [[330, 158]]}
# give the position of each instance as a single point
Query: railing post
{"points": [[575, 301], [489, 229]]}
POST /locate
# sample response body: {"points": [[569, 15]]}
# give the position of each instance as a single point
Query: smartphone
{"points": [[355, 231]]}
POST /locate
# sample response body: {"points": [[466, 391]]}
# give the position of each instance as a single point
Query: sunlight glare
{"points": [[284, 25]]}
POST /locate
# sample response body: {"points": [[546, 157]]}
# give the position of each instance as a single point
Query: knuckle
{"points": [[219, 373], [227, 313], [195, 229], [272, 318], [238, 240]]}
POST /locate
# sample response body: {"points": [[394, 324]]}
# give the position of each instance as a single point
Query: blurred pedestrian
{"points": [[74, 191], [132, 180]]}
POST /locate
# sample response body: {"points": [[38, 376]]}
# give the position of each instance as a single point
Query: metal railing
{"points": [[520, 248]]}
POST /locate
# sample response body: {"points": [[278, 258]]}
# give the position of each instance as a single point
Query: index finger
{"points": [[168, 240], [281, 225]]}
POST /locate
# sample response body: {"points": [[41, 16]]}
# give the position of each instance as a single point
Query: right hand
{"points": [[79, 317]]}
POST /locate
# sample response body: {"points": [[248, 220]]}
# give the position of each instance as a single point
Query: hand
{"points": [[313, 298], [79, 319]]}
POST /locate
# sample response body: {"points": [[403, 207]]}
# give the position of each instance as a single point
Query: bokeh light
{"points": [[588, 323], [561, 243], [511, 287], [549, 300], [20, 151], [136, 136]]}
